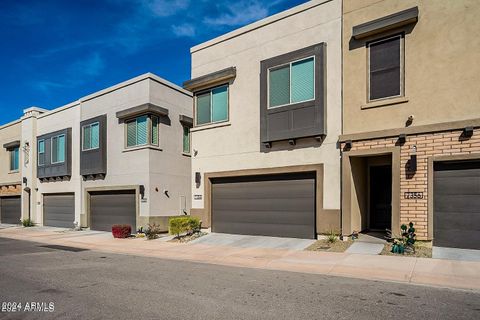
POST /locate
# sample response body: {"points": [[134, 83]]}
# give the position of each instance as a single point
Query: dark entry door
{"points": [[456, 213], [381, 197], [270, 205]]}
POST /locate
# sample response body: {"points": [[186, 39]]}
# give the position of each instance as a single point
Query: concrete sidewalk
{"points": [[433, 272]]}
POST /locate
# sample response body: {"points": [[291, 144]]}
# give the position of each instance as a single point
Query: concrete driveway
{"points": [[243, 241], [455, 254]]}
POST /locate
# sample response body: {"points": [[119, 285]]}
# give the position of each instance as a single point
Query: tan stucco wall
{"points": [[9, 133], [235, 145], [441, 64]]}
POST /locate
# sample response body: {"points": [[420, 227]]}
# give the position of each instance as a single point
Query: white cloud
{"points": [[184, 30], [166, 8], [91, 66], [240, 13]]}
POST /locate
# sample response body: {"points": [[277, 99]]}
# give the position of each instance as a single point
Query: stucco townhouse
{"points": [[267, 117], [411, 119], [120, 155]]}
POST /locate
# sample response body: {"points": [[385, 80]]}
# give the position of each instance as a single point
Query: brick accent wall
{"points": [[428, 145], [10, 190]]}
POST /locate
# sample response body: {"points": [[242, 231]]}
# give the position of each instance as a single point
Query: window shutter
{"points": [[95, 136], [385, 68], [220, 104], [131, 133], [142, 130], [303, 80], [87, 138], [61, 148], [279, 86], [155, 130], [203, 108]]}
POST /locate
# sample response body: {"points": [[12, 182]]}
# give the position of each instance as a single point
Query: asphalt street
{"points": [[96, 285]]}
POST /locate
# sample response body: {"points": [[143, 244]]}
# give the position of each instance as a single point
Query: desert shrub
{"points": [[121, 230], [332, 237], [184, 224], [152, 231], [27, 222]]}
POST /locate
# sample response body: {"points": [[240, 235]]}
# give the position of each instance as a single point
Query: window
{"points": [[385, 68], [91, 136], [14, 159], [186, 139], [291, 83], [41, 152], [212, 106], [58, 149], [142, 131]]}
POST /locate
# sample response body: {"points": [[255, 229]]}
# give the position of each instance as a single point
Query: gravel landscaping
{"points": [[188, 237], [326, 246], [423, 249]]}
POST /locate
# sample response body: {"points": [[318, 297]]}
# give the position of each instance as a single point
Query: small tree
{"points": [[407, 240]]}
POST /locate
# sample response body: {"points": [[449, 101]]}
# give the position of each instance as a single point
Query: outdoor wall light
{"points": [[413, 159], [142, 191], [198, 177], [402, 138], [467, 132]]}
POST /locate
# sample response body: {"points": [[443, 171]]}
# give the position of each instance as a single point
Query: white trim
{"points": [[51, 149], [289, 64], [83, 136]]}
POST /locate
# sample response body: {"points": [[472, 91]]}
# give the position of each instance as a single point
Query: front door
{"points": [[381, 197]]}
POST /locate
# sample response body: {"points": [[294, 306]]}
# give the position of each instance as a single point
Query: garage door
{"points": [[456, 216], [114, 207], [59, 210], [273, 205], [10, 210]]}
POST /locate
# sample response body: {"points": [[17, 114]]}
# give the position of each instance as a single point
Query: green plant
{"points": [[407, 240], [332, 237], [152, 231], [27, 222], [184, 224]]}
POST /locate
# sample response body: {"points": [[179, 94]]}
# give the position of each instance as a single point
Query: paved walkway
{"points": [[259, 242], [434, 272]]}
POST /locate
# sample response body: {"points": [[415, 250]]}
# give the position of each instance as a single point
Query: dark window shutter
{"points": [[385, 72]]}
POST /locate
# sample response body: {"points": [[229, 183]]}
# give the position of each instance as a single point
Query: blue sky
{"points": [[55, 52]]}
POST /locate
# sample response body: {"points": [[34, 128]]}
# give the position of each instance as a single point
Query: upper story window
{"points": [[58, 149], [142, 131], [41, 152], [14, 159], [212, 105], [91, 136], [291, 83], [186, 139], [385, 68]]}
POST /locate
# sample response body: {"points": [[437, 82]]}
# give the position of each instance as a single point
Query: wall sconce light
{"points": [[402, 138], [24, 180], [413, 159], [198, 177], [467, 132], [142, 191]]}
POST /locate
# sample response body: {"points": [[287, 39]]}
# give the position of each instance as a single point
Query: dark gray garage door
{"points": [[113, 207], [274, 205], [59, 210], [10, 210], [456, 216]]}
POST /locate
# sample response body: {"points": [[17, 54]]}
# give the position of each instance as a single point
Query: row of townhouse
{"points": [[121, 155], [334, 115]]}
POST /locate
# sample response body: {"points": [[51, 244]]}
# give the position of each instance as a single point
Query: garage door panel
{"points": [[59, 210], [281, 205], [112, 207], [10, 209], [456, 216], [267, 204], [266, 217]]}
